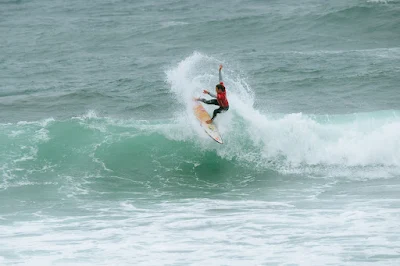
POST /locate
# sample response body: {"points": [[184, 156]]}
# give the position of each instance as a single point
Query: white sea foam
{"points": [[250, 231], [297, 141]]}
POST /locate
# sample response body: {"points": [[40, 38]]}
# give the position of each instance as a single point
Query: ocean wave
{"points": [[360, 144]]}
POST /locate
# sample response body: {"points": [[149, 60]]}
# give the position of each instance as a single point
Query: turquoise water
{"points": [[103, 163]]}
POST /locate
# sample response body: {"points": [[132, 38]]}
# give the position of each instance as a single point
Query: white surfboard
{"points": [[203, 116]]}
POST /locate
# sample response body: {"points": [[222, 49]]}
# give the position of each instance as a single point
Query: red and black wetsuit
{"points": [[220, 100]]}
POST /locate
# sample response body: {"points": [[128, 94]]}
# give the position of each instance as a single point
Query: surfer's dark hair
{"points": [[220, 87]]}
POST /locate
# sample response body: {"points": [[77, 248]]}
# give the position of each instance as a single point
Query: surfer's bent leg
{"points": [[219, 110], [212, 101]]}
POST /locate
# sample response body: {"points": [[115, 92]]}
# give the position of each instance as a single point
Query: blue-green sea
{"points": [[102, 161]]}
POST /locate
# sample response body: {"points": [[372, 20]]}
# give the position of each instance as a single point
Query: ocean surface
{"points": [[103, 163]]}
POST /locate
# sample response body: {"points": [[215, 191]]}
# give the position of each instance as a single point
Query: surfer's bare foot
{"points": [[209, 121]]}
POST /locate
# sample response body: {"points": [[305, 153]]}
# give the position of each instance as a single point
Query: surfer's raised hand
{"points": [[206, 92], [220, 67]]}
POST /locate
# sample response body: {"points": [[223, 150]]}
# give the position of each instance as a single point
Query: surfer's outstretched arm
{"points": [[209, 93], [212, 95]]}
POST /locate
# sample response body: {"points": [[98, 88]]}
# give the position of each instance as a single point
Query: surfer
{"points": [[220, 100]]}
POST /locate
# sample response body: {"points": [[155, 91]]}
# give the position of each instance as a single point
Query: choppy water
{"points": [[102, 162]]}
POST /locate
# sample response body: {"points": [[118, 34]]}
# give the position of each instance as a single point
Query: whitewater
{"points": [[293, 141]]}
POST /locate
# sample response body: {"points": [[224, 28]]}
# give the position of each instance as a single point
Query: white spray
{"points": [[291, 141]]}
